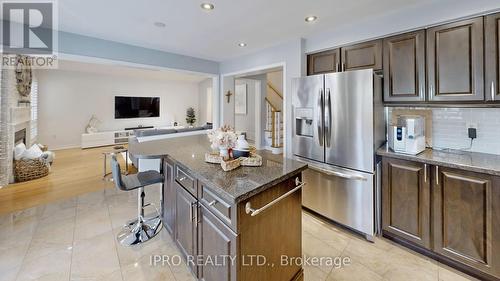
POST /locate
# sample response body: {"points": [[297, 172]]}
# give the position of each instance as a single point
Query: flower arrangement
{"points": [[223, 138]]}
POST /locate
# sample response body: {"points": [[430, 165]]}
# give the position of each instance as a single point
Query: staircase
{"points": [[274, 122]]}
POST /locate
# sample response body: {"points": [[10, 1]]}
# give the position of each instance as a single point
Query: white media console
{"points": [[106, 138]]}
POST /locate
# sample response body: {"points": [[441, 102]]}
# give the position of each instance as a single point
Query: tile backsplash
{"points": [[449, 128]]}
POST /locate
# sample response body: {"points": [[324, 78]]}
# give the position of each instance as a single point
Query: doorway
{"points": [[258, 108]]}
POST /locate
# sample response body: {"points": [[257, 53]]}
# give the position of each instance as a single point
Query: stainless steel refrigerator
{"points": [[338, 123]]}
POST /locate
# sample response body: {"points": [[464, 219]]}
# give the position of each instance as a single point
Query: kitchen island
{"points": [[239, 225]]}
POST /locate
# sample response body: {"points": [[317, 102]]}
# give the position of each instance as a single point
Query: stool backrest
{"points": [[117, 174]]}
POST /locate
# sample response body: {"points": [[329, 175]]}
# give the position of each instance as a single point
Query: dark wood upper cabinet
{"points": [[362, 56], [169, 194], [466, 216], [216, 243], [404, 67], [455, 61], [323, 62], [406, 200], [492, 60]]}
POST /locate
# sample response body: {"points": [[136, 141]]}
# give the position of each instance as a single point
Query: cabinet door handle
{"points": [[343, 67], [191, 213], [492, 90], [212, 203], [336, 67], [431, 91], [425, 173], [182, 178], [437, 175]]}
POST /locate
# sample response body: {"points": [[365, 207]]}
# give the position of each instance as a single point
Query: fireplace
{"points": [[20, 137]]}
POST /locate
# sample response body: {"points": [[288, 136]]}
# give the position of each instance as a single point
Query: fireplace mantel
{"points": [[20, 115]]}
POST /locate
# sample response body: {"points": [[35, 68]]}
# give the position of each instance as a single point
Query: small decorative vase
{"points": [[242, 143], [224, 153]]}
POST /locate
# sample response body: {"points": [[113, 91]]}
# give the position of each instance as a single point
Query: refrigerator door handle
{"points": [[320, 118], [328, 118]]}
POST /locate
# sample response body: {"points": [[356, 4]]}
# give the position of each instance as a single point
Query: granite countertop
{"points": [[471, 161], [233, 186]]}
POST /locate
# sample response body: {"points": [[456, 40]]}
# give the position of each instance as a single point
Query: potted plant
{"points": [[190, 116]]}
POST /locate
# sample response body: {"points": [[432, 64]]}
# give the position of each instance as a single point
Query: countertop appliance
{"points": [[408, 136], [338, 123]]}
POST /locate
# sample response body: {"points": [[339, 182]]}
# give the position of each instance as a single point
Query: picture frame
{"points": [[240, 99]]}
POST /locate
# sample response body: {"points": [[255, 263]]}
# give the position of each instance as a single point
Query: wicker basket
{"points": [[30, 169]]}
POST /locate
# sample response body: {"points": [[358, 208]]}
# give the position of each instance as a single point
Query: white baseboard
{"points": [[69, 146]]}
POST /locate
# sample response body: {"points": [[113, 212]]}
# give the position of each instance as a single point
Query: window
{"points": [[34, 109]]}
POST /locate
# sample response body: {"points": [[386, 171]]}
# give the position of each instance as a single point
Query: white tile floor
{"points": [[74, 239]]}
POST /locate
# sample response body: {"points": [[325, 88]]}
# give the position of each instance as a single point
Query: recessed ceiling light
{"points": [[160, 24], [242, 44], [207, 6], [311, 18]]}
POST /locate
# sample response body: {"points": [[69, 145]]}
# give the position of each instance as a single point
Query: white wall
{"points": [[276, 79], [205, 101], [67, 99], [260, 121], [290, 55], [246, 122]]}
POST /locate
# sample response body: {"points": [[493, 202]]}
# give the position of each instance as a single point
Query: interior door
{"points": [[349, 119], [308, 122]]}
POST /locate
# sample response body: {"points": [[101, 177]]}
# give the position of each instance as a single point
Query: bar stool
{"points": [[141, 229]]}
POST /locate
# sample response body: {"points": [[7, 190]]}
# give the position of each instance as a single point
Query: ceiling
{"points": [[215, 34], [129, 71]]}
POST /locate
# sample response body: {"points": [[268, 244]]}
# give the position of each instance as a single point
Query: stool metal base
{"points": [[136, 232]]}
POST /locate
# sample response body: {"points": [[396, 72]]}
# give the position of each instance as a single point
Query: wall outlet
{"points": [[472, 133]]}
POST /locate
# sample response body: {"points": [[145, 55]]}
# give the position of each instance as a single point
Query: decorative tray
{"points": [[254, 160]]}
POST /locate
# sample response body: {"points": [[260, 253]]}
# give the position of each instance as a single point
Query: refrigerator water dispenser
{"points": [[304, 122]]}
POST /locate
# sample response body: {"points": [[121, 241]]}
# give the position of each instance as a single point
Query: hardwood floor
{"points": [[74, 172]]}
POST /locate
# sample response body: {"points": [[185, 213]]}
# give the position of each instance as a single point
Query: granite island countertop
{"points": [[465, 160], [233, 186]]}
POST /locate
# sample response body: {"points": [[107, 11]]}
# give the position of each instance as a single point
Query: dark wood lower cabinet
{"points": [[449, 214], [217, 247], [169, 197], [185, 229], [406, 200], [466, 218], [220, 241]]}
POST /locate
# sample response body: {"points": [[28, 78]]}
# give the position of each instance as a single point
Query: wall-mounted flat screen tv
{"points": [[136, 107]]}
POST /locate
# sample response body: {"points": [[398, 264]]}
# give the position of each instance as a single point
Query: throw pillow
{"points": [[33, 153], [19, 150]]}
